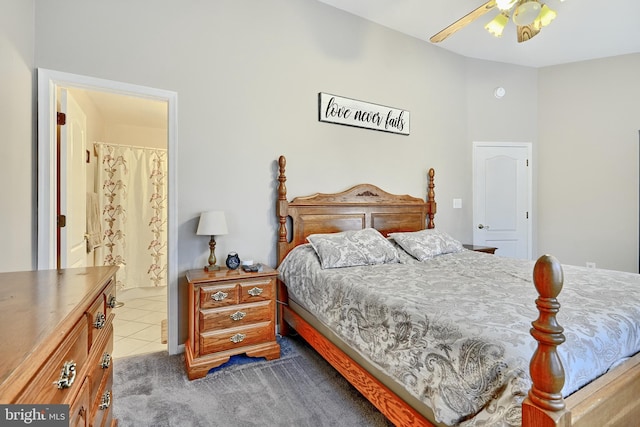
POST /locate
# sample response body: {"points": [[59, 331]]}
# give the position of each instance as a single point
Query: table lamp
{"points": [[212, 223]]}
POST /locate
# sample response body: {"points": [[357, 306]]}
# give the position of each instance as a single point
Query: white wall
{"points": [[588, 154], [17, 140]]}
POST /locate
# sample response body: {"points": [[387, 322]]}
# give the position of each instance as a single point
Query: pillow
{"points": [[351, 248], [426, 244]]}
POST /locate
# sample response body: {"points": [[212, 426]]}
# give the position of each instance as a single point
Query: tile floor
{"points": [[137, 325]]}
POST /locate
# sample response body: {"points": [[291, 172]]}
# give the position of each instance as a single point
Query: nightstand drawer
{"points": [[218, 296], [225, 339], [256, 290], [237, 315]]}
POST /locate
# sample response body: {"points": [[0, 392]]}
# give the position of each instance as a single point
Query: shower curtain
{"points": [[133, 196]]}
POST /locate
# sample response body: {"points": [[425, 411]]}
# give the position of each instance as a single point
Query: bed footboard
{"points": [[545, 406]]}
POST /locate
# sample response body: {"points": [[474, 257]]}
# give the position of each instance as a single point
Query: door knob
{"points": [[480, 226]]}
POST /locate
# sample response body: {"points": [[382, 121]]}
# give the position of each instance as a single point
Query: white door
{"points": [[502, 198], [72, 183]]}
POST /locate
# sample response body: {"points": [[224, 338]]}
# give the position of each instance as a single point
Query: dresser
{"points": [[57, 340], [230, 312]]}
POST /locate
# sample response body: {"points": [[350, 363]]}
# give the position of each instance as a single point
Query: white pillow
{"points": [[426, 244], [352, 248]]}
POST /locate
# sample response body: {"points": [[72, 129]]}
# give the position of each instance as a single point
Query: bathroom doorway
{"points": [[110, 108]]}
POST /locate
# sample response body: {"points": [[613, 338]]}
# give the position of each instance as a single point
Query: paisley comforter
{"points": [[454, 330]]}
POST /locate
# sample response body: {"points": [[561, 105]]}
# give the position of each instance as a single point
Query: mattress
{"points": [[453, 331]]}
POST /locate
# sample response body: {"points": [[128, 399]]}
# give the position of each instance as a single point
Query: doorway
{"points": [[49, 82], [502, 202]]}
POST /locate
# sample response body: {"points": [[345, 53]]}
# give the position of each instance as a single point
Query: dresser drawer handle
{"points": [[100, 321], [105, 402], [238, 338], [106, 361], [67, 375], [238, 315], [219, 296], [112, 302], [255, 291]]}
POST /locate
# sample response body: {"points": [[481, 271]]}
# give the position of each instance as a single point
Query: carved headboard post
{"points": [[282, 208], [431, 200]]}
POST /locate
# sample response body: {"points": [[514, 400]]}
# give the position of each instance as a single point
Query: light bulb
{"points": [[505, 4]]}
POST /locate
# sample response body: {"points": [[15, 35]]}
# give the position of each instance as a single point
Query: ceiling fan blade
{"points": [[526, 32], [464, 21]]}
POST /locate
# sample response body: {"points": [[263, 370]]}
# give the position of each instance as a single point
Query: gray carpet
{"points": [[299, 389]]}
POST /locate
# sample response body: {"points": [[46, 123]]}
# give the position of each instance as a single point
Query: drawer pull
{"points": [[106, 361], [112, 302], [238, 338], [219, 296], [238, 315], [67, 375], [255, 291], [105, 402], [100, 321]]}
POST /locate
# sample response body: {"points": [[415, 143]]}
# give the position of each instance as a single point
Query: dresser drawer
{"points": [[256, 290], [109, 295], [97, 320], [236, 315], [101, 361], [226, 339], [101, 411], [218, 296], [79, 409], [65, 367]]}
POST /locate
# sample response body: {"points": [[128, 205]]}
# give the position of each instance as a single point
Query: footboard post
{"points": [[545, 406]]}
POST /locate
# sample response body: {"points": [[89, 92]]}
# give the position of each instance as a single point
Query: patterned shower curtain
{"points": [[133, 202]]}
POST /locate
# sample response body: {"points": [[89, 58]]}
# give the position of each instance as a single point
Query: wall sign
{"points": [[351, 112]]}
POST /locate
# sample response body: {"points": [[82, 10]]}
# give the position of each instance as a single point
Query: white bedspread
{"points": [[455, 329]]}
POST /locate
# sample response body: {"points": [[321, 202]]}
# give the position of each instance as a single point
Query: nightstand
{"points": [[230, 312], [486, 249]]}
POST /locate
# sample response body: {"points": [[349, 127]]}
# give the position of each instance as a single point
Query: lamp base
{"points": [[211, 267]]}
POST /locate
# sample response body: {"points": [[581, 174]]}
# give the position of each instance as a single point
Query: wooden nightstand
{"points": [[487, 249], [230, 312]]}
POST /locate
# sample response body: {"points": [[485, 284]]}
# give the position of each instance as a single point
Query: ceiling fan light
{"points": [[546, 15], [497, 24], [526, 12], [505, 4]]}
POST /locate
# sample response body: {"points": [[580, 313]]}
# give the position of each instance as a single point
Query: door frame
{"points": [[48, 81], [529, 147]]}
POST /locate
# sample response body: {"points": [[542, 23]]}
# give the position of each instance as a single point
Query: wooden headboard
{"points": [[362, 206]]}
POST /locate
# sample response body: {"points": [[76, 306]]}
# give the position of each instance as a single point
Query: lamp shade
{"points": [[526, 12], [496, 26], [212, 223]]}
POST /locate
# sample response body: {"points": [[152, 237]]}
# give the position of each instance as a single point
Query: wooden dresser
{"points": [[230, 312], [57, 338]]}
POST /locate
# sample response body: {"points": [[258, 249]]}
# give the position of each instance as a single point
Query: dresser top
{"points": [[38, 309]]}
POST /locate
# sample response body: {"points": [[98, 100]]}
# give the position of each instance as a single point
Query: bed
{"points": [[523, 355]]}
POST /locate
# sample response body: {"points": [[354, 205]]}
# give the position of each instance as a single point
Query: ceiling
{"points": [[583, 29], [128, 110]]}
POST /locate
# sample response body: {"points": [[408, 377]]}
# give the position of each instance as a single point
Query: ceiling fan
{"points": [[528, 15]]}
